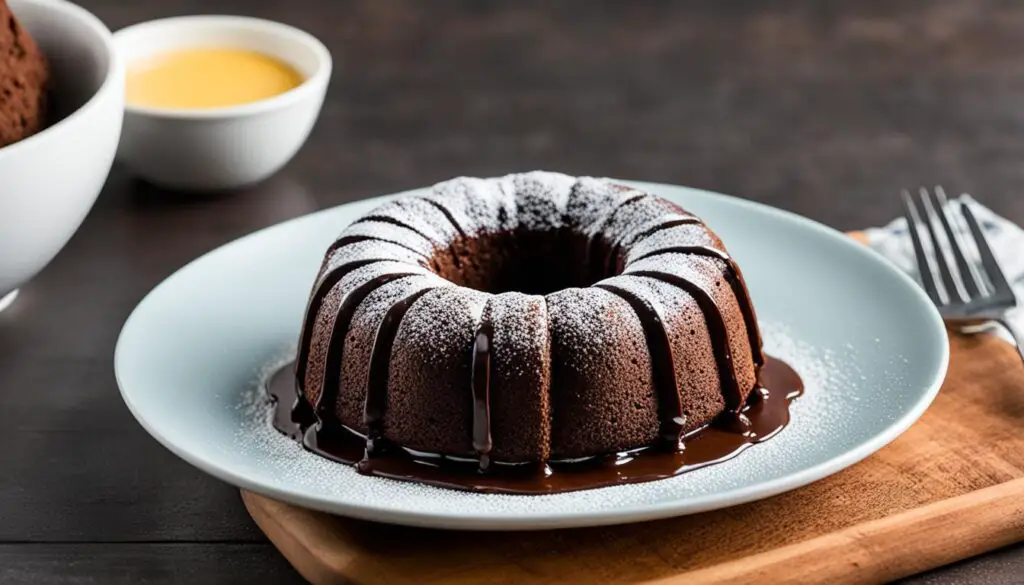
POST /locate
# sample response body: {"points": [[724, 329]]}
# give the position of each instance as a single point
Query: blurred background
{"points": [[827, 109]]}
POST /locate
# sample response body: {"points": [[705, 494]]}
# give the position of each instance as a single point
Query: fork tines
{"points": [[962, 282]]}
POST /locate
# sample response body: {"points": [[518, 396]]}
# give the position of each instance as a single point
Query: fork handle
{"points": [[1016, 333]]}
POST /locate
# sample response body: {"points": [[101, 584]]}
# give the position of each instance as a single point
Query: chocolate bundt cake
{"points": [[526, 319]]}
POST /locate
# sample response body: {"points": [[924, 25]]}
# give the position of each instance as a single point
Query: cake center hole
{"points": [[531, 262]]}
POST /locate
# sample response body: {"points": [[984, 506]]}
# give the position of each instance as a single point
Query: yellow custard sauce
{"points": [[207, 78]]}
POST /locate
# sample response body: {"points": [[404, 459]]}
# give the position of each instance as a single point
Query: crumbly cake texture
{"points": [[24, 76], [572, 373]]}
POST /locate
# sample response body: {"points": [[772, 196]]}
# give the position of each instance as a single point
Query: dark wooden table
{"points": [[826, 109]]}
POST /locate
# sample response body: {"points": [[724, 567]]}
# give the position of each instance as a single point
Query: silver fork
{"points": [[971, 294]]}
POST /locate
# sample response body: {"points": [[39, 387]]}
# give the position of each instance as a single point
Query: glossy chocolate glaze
{"points": [[335, 348], [739, 289], [480, 381], [316, 300], [765, 413], [670, 406], [377, 382], [731, 391]]}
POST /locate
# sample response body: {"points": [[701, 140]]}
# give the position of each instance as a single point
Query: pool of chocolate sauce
{"points": [[767, 409]]}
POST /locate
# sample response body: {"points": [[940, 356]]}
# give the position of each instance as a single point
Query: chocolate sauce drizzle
{"points": [[447, 215], [346, 240], [766, 410], [377, 382], [748, 419], [395, 222], [670, 406], [450, 219], [331, 384], [480, 381], [665, 225], [316, 300], [731, 390], [739, 289]]}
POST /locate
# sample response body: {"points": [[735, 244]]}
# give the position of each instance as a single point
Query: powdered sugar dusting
{"points": [[542, 199], [370, 271], [577, 320], [369, 250], [537, 200], [420, 215], [520, 330], [442, 314], [479, 205], [593, 199], [682, 235], [640, 214], [644, 216], [390, 233]]}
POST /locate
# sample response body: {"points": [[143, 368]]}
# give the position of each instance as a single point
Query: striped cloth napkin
{"points": [[1005, 237]]}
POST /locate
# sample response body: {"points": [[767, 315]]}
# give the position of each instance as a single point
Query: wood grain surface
{"points": [[825, 109], [950, 487]]}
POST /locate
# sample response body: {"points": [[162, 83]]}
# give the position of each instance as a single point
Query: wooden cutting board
{"points": [[951, 487]]}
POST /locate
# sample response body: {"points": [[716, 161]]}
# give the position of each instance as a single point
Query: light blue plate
{"points": [[871, 348]]}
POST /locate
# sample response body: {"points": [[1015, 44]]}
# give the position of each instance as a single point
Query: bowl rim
{"points": [[309, 87], [108, 85]]}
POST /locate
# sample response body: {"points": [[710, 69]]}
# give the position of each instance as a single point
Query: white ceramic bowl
{"points": [[229, 147], [49, 181]]}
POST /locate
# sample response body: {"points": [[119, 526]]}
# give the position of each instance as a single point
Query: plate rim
{"points": [[569, 518]]}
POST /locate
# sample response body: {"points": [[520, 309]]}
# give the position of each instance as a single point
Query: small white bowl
{"points": [[230, 147], [49, 181]]}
